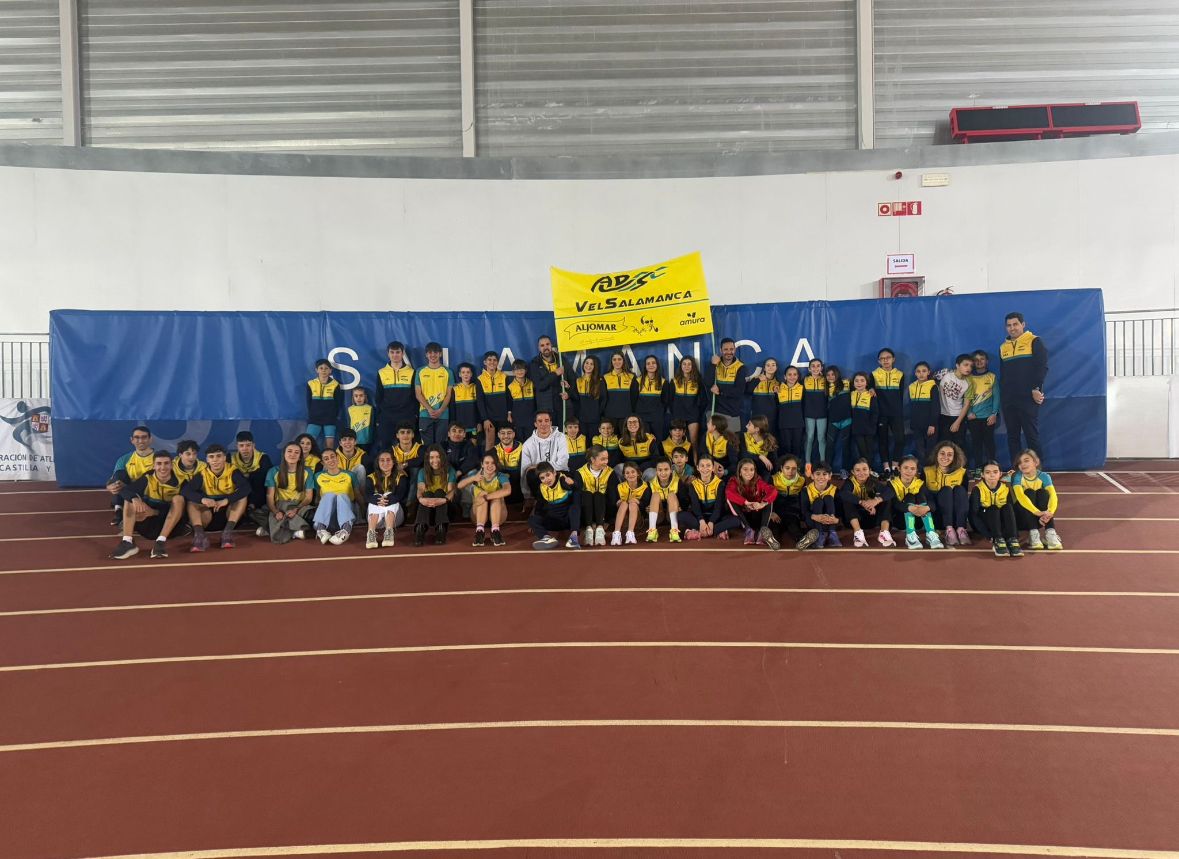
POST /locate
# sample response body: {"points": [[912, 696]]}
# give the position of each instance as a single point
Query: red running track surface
{"points": [[1032, 703]]}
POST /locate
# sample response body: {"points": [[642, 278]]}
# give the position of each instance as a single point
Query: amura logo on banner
{"points": [[665, 301]]}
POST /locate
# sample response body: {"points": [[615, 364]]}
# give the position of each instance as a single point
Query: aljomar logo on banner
{"points": [[657, 302]]}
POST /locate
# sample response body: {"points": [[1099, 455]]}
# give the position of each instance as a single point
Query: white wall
{"points": [[94, 239]]}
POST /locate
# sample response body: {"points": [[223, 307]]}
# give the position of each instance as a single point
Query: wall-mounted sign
{"points": [[898, 210], [902, 263]]}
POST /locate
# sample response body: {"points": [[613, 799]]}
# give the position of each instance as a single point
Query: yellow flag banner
{"points": [[665, 301]]}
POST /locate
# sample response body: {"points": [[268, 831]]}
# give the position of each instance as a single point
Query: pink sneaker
{"points": [[749, 538], [963, 537], [951, 537], [691, 535], [723, 535], [886, 539]]}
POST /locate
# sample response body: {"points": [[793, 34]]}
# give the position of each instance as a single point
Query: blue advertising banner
{"points": [[206, 376]]}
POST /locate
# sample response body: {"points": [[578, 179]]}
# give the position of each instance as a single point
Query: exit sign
{"points": [[898, 210]]}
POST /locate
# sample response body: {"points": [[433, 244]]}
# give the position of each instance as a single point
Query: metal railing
{"points": [[24, 366], [1142, 342]]}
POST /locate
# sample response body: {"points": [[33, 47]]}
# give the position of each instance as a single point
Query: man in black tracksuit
{"points": [[1024, 360], [547, 372]]}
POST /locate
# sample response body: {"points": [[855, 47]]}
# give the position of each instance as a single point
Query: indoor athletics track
{"points": [[688, 700]]}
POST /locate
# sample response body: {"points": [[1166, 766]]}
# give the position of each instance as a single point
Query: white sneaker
{"points": [[323, 535], [370, 541], [300, 534], [885, 539], [859, 540], [1051, 539], [341, 536], [588, 538], [389, 539], [630, 539], [935, 542], [912, 541], [1034, 539], [261, 532], [616, 538], [600, 536]]}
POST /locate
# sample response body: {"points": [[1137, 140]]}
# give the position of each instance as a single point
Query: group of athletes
{"points": [[587, 454]]}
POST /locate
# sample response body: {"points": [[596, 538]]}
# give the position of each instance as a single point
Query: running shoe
{"points": [[833, 540], [1000, 548], [691, 534], [821, 541], [766, 537], [885, 539], [126, 549], [652, 535], [200, 542], [723, 535], [912, 541], [808, 539], [631, 539], [1052, 539], [497, 539], [1013, 549], [1034, 539], [159, 550], [341, 537], [389, 539], [370, 539], [548, 541], [117, 518], [600, 536], [933, 540], [588, 539], [951, 537], [227, 539], [750, 538], [673, 536], [859, 540], [323, 535], [301, 534], [480, 538], [616, 538], [572, 542], [260, 531], [963, 537]]}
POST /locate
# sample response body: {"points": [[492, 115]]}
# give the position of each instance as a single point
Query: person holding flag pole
{"points": [[547, 372]]}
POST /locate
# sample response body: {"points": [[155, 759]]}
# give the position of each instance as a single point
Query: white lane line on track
{"points": [[426, 554], [405, 595], [1114, 482], [829, 844], [566, 645], [590, 723]]}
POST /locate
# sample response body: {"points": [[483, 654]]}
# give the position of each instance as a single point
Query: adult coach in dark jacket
{"points": [[1024, 360], [548, 373]]}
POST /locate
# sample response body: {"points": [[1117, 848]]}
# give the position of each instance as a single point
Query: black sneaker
{"points": [[159, 550], [479, 538], [440, 535], [497, 539], [117, 518], [1000, 547], [419, 535], [1013, 549], [126, 549]]}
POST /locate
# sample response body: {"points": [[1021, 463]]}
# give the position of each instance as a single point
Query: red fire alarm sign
{"points": [[898, 210]]}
